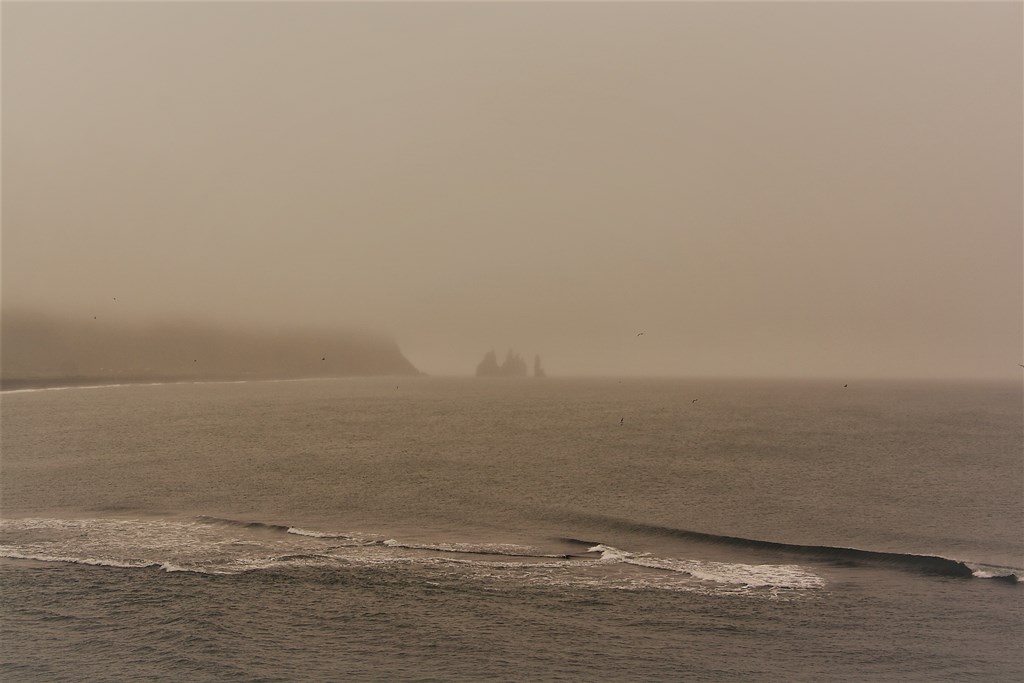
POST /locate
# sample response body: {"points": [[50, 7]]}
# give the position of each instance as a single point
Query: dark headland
{"points": [[38, 351]]}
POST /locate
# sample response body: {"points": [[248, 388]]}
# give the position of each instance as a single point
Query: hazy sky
{"points": [[762, 189]]}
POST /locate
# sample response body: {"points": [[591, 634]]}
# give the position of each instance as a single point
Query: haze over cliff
{"points": [[40, 349]]}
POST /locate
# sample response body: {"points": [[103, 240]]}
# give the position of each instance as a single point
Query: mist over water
{"points": [[763, 189]]}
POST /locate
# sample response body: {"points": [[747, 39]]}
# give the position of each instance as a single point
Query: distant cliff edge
{"points": [[513, 366], [43, 350]]}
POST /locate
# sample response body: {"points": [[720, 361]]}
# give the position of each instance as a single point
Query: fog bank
{"points": [[761, 189]]}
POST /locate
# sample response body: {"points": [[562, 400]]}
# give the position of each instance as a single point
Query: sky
{"points": [[761, 189]]}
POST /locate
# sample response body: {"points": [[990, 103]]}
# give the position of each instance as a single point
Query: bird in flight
{"points": [[639, 334]]}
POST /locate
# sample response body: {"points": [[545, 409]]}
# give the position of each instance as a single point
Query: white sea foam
{"points": [[37, 389], [1006, 574], [171, 568], [475, 548], [746, 575], [186, 546], [318, 534], [93, 561], [95, 386], [610, 554], [114, 385]]}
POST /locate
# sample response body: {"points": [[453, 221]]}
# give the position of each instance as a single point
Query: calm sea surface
{"points": [[470, 529]]}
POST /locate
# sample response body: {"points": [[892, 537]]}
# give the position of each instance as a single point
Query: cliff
{"points": [[41, 350]]}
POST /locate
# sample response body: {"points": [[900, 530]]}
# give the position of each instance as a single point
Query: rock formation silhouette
{"points": [[489, 367], [513, 366]]}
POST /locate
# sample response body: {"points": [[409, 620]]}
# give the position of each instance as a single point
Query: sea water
{"points": [[513, 529]]}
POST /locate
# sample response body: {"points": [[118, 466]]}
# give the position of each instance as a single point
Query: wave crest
{"points": [[924, 564]]}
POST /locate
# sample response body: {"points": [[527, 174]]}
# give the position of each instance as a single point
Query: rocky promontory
{"points": [[46, 350]]}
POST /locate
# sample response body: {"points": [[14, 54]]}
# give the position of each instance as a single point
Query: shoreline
{"points": [[43, 383]]}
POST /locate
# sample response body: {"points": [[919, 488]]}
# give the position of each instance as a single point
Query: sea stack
{"points": [[513, 365]]}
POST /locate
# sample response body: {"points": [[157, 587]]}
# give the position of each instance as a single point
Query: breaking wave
{"points": [[280, 528], [924, 564], [243, 524], [91, 561], [506, 549], [746, 575], [217, 545], [998, 573]]}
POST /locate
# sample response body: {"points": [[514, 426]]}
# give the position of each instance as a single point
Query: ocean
{"points": [[462, 529]]}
